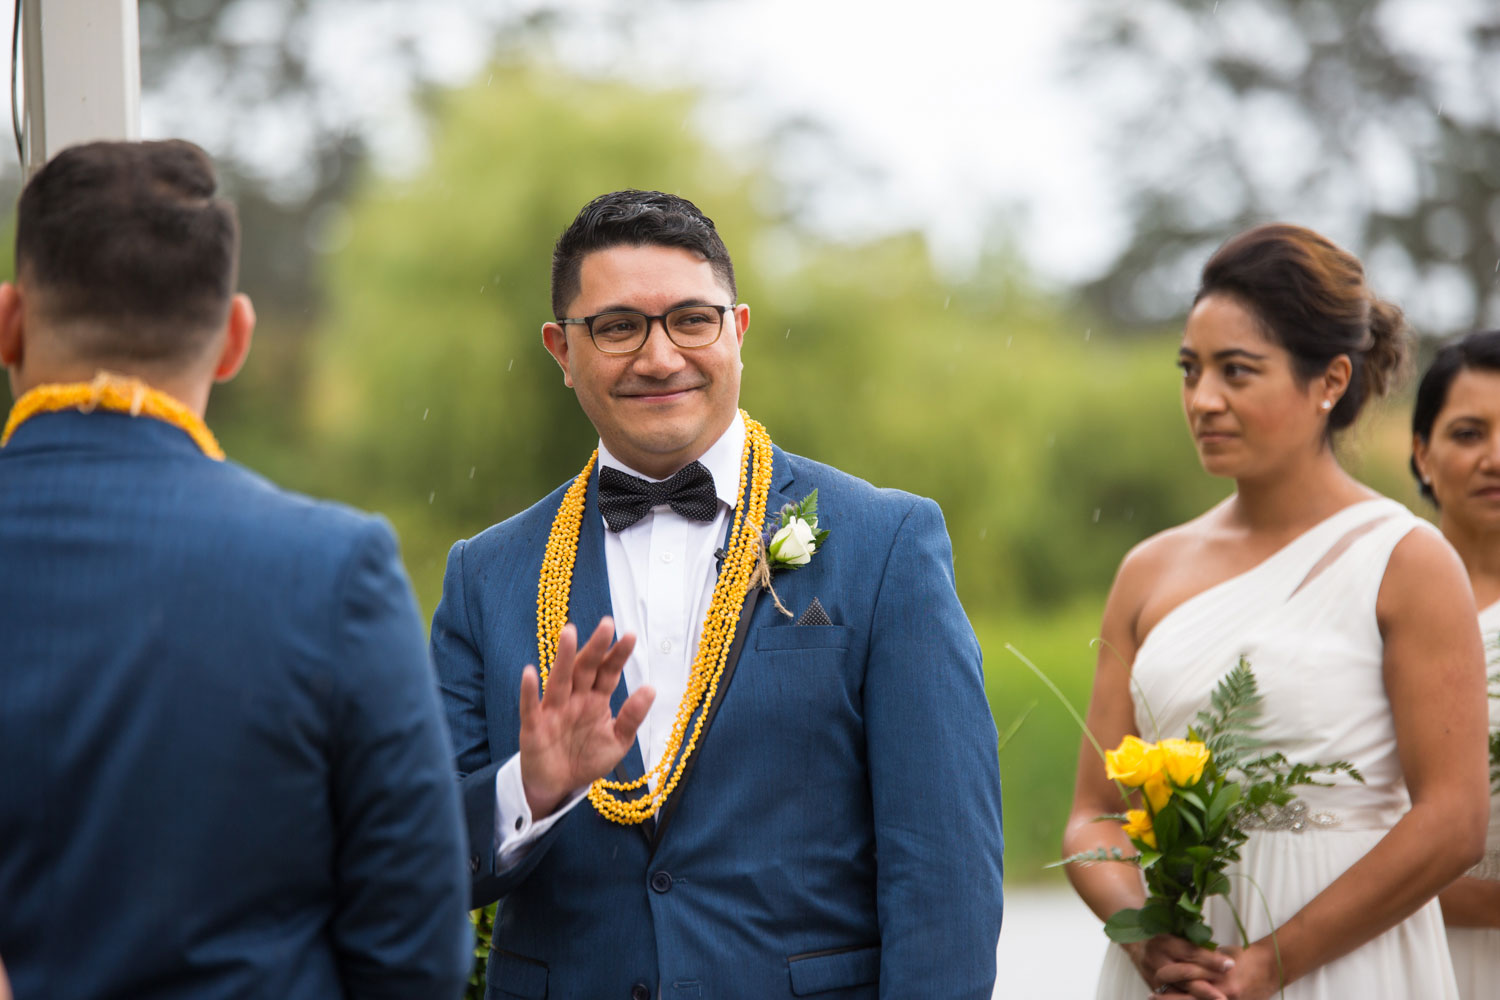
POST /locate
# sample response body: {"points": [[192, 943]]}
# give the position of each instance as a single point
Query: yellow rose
{"points": [[1183, 760], [1138, 827], [1158, 790], [1133, 762]]}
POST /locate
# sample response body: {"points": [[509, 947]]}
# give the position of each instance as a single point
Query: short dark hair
{"points": [[126, 244], [635, 218], [1310, 296], [1475, 352]]}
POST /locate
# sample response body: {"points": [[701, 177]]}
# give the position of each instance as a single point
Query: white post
{"points": [[82, 72]]}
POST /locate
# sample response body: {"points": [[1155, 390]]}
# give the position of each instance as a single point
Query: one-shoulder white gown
{"points": [[1305, 620], [1476, 950]]}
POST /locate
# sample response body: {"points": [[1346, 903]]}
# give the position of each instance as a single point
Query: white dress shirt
{"points": [[662, 573]]}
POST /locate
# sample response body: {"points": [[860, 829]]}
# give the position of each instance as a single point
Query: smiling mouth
{"points": [[653, 395]]}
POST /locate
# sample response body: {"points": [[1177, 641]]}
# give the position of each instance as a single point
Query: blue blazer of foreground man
{"points": [[781, 780], [223, 770]]}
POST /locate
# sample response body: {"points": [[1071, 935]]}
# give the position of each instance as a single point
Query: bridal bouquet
{"points": [[1200, 794]]}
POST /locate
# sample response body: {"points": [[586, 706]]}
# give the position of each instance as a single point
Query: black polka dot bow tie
{"points": [[624, 499]]}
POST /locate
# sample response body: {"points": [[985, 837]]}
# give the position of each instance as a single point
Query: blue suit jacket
{"points": [[838, 834], [223, 767]]}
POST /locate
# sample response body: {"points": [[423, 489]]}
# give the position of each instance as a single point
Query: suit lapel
{"points": [[781, 479], [589, 601]]}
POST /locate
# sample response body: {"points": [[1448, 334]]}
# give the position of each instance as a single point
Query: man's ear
{"points": [[555, 338], [741, 322], [238, 329], [12, 326]]}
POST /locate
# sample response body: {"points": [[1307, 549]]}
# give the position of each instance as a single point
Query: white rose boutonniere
{"points": [[797, 538], [791, 543]]}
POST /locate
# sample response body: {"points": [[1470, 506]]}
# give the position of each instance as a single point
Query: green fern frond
{"points": [[1227, 727], [1098, 854]]}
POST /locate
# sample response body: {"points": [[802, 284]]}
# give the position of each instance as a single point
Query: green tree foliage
{"points": [[1376, 120], [1051, 446], [1051, 449]]}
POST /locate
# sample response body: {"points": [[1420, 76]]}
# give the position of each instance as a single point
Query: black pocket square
{"points": [[815, 615]]}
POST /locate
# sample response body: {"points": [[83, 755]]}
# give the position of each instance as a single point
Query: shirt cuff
{"points": [[515, 828]]}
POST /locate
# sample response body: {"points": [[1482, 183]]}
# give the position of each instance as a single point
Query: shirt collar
{"points": [[722, 459]]}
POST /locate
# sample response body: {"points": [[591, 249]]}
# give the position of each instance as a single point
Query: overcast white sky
{"points": [[943, 113]]}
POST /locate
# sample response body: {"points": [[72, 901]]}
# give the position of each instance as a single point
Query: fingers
{"points": [[608, 677], [1197, 988], [1175, 971], [560, 680], [1165, 950], [591, 654], [529, 704], [633, 713]]}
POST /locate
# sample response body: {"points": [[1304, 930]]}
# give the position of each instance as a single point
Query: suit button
{"points": [[661, 882], [640, 992]]}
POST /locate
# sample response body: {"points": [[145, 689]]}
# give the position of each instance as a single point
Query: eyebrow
{"points": [[1233, 352], [621, 307]]}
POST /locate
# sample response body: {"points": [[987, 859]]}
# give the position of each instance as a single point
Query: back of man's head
{"points": [[635, 218], [125, 253]]}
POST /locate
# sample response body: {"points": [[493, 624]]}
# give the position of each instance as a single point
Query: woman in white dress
{"points": [[1456, 456], [1357, 622]]}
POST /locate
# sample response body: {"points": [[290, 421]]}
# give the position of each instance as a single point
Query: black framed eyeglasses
{"points": [[621, 332]]}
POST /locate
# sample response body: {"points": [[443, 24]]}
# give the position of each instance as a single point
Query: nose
{"points": [[1206, 396], [658, 356], [1490, 458]]}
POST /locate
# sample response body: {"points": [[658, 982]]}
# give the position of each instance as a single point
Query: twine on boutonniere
{"points": [[790, 545]]}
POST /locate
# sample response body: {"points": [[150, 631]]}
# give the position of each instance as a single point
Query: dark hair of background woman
{"points": [[1310, 297], [1477, 351]]}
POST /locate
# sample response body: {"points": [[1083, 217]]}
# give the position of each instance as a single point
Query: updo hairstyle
{"points": [[1309, 295], [1476, 352]]}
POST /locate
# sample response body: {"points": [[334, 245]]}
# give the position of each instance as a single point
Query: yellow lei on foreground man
{"points": [[612, 798], [115, 394]]}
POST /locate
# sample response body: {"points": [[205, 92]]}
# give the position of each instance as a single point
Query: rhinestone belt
{"points": [[1294, 816]]}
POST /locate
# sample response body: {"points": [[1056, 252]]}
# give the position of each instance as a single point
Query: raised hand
{"points": [[570, 736]]}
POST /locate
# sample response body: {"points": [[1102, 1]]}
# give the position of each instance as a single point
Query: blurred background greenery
{"points": [[398, 365], [1053, 442]]}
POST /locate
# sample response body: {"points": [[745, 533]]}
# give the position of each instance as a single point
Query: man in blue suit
{"points": [[782, 779], [223, 766]]}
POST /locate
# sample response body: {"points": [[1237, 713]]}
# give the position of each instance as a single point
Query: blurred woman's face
{"points": [[1461, 459], [1248, 412]]}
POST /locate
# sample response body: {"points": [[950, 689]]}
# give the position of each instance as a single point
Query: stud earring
{"points": [[1327, 405]]}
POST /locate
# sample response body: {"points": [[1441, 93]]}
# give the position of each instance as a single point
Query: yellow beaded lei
{"points": [[719, 624], [117, 394]]}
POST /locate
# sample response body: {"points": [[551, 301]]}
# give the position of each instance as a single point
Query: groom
{"points": [[802, 790]]}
